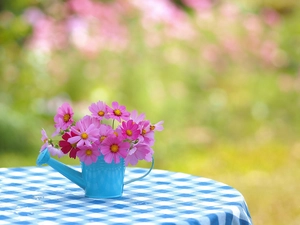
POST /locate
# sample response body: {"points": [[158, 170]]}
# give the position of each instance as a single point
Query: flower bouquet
{"points": [[105, 141], [112, 132]]}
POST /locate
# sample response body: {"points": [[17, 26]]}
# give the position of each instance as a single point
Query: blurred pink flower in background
{"points": [[47, 35], [229, 12], [96, 26], [90, 26], [270, 16], [231, 46], [199, 5], [210, 52], [269, 51], [166, 13]]}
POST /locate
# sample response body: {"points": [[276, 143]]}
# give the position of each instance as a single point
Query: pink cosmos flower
{"points": [[54, 151], [118, 132], [148, 157], [147, 135], [104, 132], [138, 152], [88, 154], [88, 120], [130, 130], [158, 126], [47, 145], [113, 148], [64, 118], [136, 117], [99, 110], [44, 139], [118, 112], [84, 135]]}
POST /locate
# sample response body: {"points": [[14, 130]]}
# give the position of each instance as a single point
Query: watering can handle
{"points": [[138, 178]]}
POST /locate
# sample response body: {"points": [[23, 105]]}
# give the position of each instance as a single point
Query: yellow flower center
{"points": [[67, 117], [114, 148], [45, 140], [117, 112], [116, 133], [102, 138], [101, 113], [129, 132], [152, 127], [88, 152], [144, 131], [74, 145], [84, 136]]}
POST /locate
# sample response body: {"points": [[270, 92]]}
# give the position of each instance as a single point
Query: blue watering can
{"points": [[98, 180]]}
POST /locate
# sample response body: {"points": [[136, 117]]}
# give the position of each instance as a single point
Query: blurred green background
{"points": [[223, 75]]}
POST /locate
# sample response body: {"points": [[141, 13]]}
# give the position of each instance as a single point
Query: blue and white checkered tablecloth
{"points": [[40, 195]]}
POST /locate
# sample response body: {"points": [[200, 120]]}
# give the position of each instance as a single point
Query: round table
{"points": [[40, 195]]}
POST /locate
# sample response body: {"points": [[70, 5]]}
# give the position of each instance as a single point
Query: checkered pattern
{"points": [[40, 195]]}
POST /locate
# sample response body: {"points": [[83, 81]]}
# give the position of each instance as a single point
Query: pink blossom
{"points": [[149, 156], [118, 132], [88, 154], [64, 118], [147, 135], [136, 117], [130, 130], [157, 127], [88, 120], [99, 110], [118, 112], [104, 132], [138, 152], [47, 145], [113, 148], [85, 135], [54, 151], [44, 140]]}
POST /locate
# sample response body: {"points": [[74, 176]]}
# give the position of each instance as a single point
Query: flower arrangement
{"points": [[109, 131]]}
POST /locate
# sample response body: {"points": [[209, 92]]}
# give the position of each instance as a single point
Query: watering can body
{"points": [[99, 180], [103, 180]]}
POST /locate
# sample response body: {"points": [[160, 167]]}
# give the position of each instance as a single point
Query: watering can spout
{"points": [[66, 171]]}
